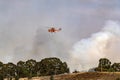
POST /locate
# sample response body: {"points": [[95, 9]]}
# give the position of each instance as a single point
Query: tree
{"points": [[9, 70], [22, 70], [52, 66], [65, 67], [104, 65], [30, 65], [116, 67], [30, 68], [37, 69], [1, 72], [1, 66]]}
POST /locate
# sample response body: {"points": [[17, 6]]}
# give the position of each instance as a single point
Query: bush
{"points": [[117, 78], [75, 71], [51, 77]]}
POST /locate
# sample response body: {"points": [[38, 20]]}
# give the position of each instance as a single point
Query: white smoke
{"points": [[106, 43]]}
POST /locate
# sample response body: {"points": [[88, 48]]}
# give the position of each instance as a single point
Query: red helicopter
{"points": [[53, 30]]}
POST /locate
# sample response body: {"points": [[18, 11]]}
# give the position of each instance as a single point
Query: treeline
{"points": [[105, 65], [31, 68]]}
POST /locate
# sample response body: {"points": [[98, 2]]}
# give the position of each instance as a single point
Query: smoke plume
{"points": [[106, 43]]}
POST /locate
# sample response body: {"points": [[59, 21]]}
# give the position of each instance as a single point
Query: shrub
{"points": [[51, 77], [117, 78]]}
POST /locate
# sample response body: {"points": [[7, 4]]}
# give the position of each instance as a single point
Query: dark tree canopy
{"points": [[31, 68], [105, 65], [116, 67], [51, 66]]}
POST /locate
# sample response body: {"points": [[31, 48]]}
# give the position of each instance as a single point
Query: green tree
{"points": [[1, 65], [51, 66], [38, 68], [9, 70], [116, 67], [104, 65], [65, 67], [30, 65], [1, 71], [22, 70], [30, 68]]}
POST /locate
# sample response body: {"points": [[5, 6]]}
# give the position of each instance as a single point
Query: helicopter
{"points": [[53, 30]]}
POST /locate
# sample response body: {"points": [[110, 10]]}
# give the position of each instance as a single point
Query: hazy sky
{"points": [[23, 26]]}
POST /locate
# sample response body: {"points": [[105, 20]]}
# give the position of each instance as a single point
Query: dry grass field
{"points": [[82, 76], [89, 76]]}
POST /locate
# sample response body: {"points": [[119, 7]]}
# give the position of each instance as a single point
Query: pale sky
{"points": [[23, 26]]}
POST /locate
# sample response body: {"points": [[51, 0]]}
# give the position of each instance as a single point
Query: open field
{"points": [[83, 76], [90, 76]]}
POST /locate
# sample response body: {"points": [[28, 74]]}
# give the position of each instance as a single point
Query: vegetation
{"points": [[51, 77], [75, 71], [31, 68], [105, 65], [48, 66], [117, 78]]}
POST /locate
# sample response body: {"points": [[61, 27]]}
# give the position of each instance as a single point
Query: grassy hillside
{"points": [[89, 76], [82, 76]]}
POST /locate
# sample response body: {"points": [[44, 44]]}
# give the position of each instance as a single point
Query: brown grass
{"points": [[89, 76], [83, 76]]}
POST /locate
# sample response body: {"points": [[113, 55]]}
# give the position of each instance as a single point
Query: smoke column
{"points": [[106, 43]]}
